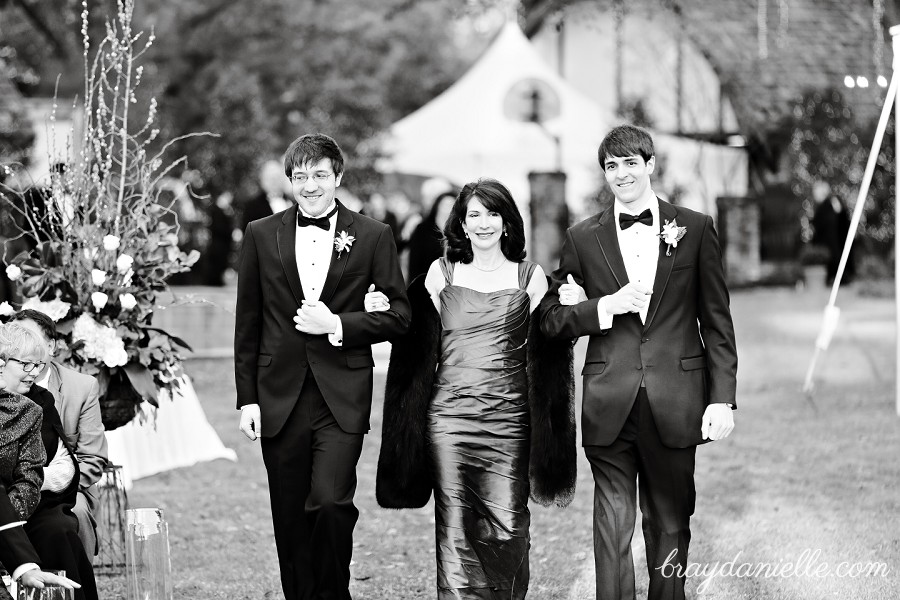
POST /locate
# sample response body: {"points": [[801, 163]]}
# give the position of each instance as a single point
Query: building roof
{"points": [[809, 44]]}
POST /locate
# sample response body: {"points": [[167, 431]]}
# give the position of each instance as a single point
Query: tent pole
{"points": [[829, 321], [895, 39]]}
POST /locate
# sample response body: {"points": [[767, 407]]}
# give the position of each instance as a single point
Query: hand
{"points": [[250, 421], [631, 298], [376, 301], [315, 318], [570, 293], [718, 422], [35, 578]]}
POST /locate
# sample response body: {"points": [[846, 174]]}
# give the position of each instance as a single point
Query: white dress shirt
{"points": [[313, 249], [639, 245]]}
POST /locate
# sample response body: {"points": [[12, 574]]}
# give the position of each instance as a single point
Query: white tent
{"points": [[464, 133]]}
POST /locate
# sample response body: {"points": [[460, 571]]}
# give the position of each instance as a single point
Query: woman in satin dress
{"points": [[466, 414]]}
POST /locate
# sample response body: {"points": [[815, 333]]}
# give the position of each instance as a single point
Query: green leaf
{"points": [[142, 380]]}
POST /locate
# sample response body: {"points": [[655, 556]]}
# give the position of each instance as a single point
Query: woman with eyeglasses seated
{"points": [[51, 526], [22, 453]]}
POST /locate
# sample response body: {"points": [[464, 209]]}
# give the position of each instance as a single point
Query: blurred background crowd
{"points": [[764, 112]]}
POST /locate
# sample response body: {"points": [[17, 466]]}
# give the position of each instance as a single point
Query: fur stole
{"points": [[404, 478]]}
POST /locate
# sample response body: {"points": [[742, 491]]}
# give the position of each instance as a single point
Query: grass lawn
{"points": [[797, 481]]}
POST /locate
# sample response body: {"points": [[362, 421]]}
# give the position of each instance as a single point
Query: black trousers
{"points": [[667, 495], [311, 465], [53, 531]]}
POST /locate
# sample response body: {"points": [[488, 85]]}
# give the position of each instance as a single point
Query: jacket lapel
{"points": [[54, 381], [338, 263], [286, 237], [663, 265], [609, 246]]}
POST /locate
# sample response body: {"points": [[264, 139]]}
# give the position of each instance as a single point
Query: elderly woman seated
{"points": [[31, 456]]}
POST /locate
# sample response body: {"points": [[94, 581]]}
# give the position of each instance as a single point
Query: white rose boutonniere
{"points": [[671, 234], [342, 242]]}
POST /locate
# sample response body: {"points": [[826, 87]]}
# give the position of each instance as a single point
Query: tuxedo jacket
{"points": [[272, 358], [685, 352]]}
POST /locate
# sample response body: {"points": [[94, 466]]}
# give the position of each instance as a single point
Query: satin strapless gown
{"points": [[479, 431]]}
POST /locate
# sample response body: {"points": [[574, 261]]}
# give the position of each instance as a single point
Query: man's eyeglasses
{"points": [[29, 366], [318, 177]]}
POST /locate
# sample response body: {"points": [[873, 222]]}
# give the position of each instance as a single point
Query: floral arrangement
{"points": [[102, 242]]}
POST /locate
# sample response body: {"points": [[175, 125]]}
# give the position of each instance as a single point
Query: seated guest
{"points": [[51, 528], [22, 454], [76, 397], [16, 552]]}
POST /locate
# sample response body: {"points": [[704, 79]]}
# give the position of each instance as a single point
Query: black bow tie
{"points": [[320, 222], [626, 220]]}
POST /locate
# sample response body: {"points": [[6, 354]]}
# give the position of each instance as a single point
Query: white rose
{"points": [[90, 253], [116, 356], [6, 309], [127, 301], [99, 299], [13, 272], [98, 276], [124, 262], [110, 242]]}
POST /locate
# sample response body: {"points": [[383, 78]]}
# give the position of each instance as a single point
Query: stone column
{"points": [[549, 218]]}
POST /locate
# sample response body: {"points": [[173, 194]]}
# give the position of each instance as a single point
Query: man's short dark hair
{"points": [[626, 140], [45, 323], [310, 149]]}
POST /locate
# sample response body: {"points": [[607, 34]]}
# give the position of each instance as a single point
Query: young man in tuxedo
{"points": [[644, 279], [303, 361]]}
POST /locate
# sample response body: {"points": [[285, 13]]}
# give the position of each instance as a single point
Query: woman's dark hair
{"points": [[495, 197], [310, 149], [625, 140], [432, 214]]}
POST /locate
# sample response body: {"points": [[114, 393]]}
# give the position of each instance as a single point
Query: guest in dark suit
{"points": [[271, 199], [644, 280], [426, 244], [303, 361], [831, 223]]}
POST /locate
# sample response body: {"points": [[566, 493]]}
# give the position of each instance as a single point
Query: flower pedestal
{"points": [[120, 403]]}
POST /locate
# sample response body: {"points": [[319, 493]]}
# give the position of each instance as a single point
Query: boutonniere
{"points": [[671, 234], [342, 242]]}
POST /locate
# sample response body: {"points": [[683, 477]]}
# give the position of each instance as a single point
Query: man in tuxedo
{"points": [[76, 398], [644, 279], [303, 361], [271, 198]]}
